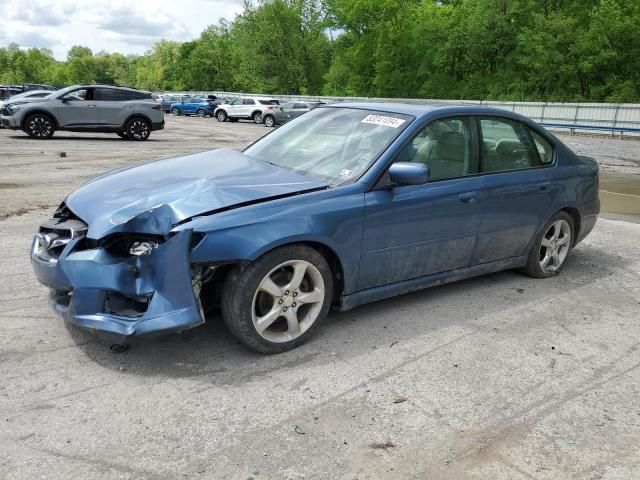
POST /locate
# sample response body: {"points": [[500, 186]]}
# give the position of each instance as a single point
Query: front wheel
{"points": [[269, 121], [257, 118], [138, 129], [39, 126], [551, 248], [276, 303], [122, 135], [176, 111]]}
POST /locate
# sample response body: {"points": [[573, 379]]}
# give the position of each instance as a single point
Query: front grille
{"points": [[55, 234]]}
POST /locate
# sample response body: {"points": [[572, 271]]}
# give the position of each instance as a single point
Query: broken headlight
{"points": [[127, 245]]}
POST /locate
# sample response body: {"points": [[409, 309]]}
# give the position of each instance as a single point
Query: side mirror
{"points": [[65, 99], [407, 173]]}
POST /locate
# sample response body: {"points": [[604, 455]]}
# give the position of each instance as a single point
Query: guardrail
{"points": [[575, 117]]}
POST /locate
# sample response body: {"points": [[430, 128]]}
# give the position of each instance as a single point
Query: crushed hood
{"points": [[155, 196]]}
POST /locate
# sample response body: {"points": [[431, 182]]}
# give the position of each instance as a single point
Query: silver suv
{"points": [[130, 113], [250, 108]]}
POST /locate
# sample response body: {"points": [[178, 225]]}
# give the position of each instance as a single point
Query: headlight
{"points": [[12, 109], [142, 248], [125, 245]]}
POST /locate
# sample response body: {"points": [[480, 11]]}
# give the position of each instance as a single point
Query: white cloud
{"points": [[110, 25]]}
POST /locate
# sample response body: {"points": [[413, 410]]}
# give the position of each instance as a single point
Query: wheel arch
{"points": [[136, 115], [42, 111], [258, 111], [574, 213], [323, 248]]}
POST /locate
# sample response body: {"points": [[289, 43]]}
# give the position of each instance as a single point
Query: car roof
{"points": [[426, 109], [97, 85]]}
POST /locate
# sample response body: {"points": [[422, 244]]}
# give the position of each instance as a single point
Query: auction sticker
{"points": [[383, 120]]}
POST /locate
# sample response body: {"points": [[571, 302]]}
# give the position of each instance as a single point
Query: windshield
{"points": [[333, 144]]}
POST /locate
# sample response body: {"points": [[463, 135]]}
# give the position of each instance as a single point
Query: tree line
{"points": [[538, 50]]}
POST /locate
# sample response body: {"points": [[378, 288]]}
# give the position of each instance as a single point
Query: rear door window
{"points": [[248, 101], [111, 95], [506, 146]]}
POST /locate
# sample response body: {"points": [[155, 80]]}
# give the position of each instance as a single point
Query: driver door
{"points": [[79, 109], [420, 230]]}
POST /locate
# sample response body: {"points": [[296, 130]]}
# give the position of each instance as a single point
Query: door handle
{"points": [[544, 186], [468, 197], [91, 106]]}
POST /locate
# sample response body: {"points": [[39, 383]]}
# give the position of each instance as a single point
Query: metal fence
{"points": [[576, 117]]}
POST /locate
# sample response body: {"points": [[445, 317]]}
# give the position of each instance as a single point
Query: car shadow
{"points": [[115, 138], [214, 356]]}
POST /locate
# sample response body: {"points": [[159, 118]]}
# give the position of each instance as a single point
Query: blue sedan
{"points": [[347, 204]]}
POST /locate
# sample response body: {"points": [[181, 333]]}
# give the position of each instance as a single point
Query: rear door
{"points": [[420, 230], [247, 108], [518, 191], [113, 106]]}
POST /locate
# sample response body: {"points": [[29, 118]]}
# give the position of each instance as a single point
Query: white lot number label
{"points": [[383, 120]]}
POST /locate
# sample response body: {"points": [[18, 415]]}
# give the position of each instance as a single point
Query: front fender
{"points": [[244, 234]]}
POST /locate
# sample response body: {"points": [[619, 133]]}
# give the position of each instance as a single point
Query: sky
{"points": [[123, 26]]}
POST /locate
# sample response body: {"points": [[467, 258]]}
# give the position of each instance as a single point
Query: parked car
{"points": [[8, 91], [348, 204], [130, 113], [249, 108], [193, 106], [168, 100], [38, 86], [288, 111], [27, 94]]}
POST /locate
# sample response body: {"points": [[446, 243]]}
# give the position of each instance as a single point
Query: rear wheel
{"points": [[201, 112], [221, 115], [40, 126], [138, 129], [269, 121], [551, 248], [277, 302], [257, 118]]}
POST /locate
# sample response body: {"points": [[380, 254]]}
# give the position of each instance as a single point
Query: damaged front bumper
{"points": [[114, 293]]}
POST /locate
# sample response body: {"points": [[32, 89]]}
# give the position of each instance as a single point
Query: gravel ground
{"points": [[500, 377]]}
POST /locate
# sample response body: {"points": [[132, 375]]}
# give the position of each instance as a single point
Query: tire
{"points": [[40, 126], [269, 121], [122, 135], [176, 111], [201, 113], [138, 129], [257, 118], [551, 247], [221, 115], [288, 321]]}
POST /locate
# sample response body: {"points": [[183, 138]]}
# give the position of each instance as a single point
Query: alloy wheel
{"points": [[40, 127], [138, 129], [268, 121], [555, 246], [288, 301]]}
